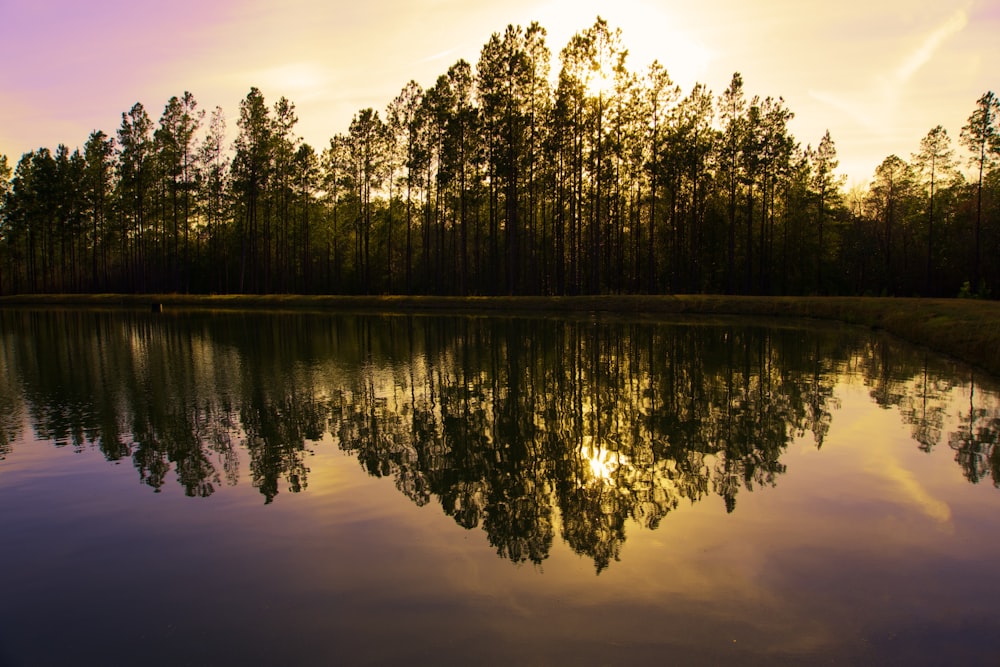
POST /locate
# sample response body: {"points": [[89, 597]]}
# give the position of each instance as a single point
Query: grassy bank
{"points": [[966, 329]]}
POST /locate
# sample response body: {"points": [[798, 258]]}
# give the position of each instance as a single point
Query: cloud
{"points": [[875, 106], [922, 55], [437, 56], [909, 490], [862, 113]]}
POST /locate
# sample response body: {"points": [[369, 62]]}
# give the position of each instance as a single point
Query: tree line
{"points": [[502, 179]]}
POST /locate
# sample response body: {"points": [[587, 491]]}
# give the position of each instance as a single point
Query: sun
{"points": [[601, 84], [650, 31]]}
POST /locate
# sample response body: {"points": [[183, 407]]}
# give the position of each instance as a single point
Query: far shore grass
{"points": [[966, 329]]}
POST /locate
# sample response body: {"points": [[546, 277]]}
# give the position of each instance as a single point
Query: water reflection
{"points": [[523, 428]]}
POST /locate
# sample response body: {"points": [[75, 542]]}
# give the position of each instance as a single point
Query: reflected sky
{"points": [[317, 489]]}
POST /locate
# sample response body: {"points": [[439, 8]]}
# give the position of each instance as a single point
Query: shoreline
{"points": [[966, 329]]}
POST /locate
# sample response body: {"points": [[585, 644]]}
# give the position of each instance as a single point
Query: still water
{"points": [[215, 488]]}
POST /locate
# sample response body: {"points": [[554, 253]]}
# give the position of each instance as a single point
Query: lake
{"points": [[229, 488]]}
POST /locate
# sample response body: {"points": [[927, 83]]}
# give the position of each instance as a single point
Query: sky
{"points": [[877, 74]]}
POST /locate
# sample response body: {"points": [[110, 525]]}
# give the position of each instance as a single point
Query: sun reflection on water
{"points": [[603, 464]]}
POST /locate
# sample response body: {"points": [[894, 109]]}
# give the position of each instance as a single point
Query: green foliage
{"points": [[966, 292]]}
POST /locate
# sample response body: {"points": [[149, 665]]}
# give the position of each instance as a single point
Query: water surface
{"points": [[288, 488]]}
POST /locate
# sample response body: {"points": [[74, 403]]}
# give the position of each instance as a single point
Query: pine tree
{"points": [[981, 137]]}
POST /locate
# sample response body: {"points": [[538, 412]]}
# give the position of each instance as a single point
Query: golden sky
{"points": [[878, 75]]}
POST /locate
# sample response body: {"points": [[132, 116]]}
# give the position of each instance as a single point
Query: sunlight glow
{"points": [[650, 31], [602, 463], [601, 83]]}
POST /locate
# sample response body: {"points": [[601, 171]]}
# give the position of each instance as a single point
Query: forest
{"points": [[518, 175]]}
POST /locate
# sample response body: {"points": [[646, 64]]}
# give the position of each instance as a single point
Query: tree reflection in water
{"points": [[521, 427]]}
